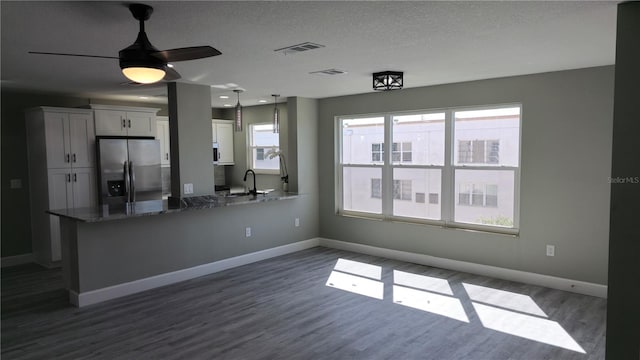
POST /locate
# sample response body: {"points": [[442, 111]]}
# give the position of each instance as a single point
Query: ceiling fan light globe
{"points": [[143, 75]]}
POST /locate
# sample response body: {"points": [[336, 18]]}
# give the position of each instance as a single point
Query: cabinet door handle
{"points": [[75, 177], [129, 123], [68, 158], [167, 156], [74, 158], [124, 123], [68, 177]]}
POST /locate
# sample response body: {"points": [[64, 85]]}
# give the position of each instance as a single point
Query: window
{"points": [[377, 150], [479, 151], [376, 188], [401, 152], [478, 195], [260, 154], [262, 143], [402, 189], [471, 184]]}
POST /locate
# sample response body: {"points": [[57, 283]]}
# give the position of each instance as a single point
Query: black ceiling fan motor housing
{"points": [[139, 53]]}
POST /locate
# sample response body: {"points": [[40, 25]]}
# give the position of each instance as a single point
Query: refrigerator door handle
{"points": [[133, 181], [127, 185]]}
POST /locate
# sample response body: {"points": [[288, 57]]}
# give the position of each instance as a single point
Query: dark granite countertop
{"points": [[157, 207]]}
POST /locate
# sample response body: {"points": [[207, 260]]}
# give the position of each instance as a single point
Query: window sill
{"points": [[493, 230]]}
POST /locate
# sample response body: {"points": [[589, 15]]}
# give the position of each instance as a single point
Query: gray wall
{"points": [[15, 218], [623, 316], [254, 115], [565, 164], [172, 242], [151, 245], [190, 138]]}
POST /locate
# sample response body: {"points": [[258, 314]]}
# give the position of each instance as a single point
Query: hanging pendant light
{"points": [[238, 118], [276, 115]]}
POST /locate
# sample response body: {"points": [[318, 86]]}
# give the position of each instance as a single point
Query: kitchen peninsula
{"points": [[109, 252]]}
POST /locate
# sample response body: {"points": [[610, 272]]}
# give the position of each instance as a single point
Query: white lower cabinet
{"points": [[68, 189], [62, 173]]}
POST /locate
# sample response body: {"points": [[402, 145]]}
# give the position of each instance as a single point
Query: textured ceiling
{"points": [[432, 42]]}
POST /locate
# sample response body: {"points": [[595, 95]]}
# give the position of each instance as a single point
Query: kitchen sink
{"points": [[238, 194], [260, 192]]}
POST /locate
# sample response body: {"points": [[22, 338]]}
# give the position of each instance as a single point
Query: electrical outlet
{"points": [[15, 184], [551, 250], [247, 231], [297, 222], [188, 189]]}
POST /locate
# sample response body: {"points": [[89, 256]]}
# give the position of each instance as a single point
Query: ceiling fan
{"points": [[143, 63]]}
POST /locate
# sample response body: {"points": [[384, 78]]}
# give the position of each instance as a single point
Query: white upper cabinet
{"points": [[82, 140], [124, 121], [111, 123], [69, 139], [222, 133], [162, 134]]}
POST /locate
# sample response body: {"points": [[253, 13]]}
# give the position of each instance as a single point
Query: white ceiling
{"points": [[432, 42]]}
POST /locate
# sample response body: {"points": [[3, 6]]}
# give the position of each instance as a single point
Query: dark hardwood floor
{"points": [[287, 308]]}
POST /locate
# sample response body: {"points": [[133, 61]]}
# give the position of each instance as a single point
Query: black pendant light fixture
{"points": [[387, 80], [276, 115], [238, 117]]}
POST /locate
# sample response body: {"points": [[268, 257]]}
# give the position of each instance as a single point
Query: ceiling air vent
{"points": [[329, 72], [293, 49]]}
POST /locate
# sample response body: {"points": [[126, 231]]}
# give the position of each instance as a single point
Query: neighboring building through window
{"points": [[478, 151], [478, 195], [376, 188], [471, 184], [402, 189], [262, 142], [400, 152], [377, 152], [259, 154]]}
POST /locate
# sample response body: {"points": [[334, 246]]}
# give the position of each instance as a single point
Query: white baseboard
{"points": [[553, 282], [16, 260], [116, 291]]}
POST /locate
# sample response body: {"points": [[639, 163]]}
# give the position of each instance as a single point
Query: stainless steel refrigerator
{"points": [[128, 170]]}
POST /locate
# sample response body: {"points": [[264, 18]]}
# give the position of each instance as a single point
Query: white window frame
{"points": [[251, 147], [448, 192]]}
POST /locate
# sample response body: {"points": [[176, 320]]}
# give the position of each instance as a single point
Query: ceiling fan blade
{"points": [[171, 75], [64, 54], [187, 53]]}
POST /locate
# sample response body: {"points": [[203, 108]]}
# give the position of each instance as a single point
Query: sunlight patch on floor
{"points": [[526, 326], [500, 310], [359, 268], [356, 284], [422, 282], [430, 302], [504, 299]]}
